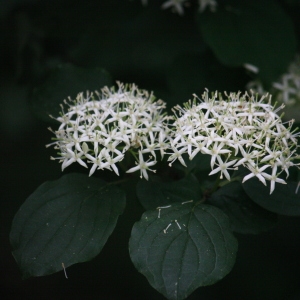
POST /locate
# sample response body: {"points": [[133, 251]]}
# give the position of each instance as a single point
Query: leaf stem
{"points": [[216, 185]]}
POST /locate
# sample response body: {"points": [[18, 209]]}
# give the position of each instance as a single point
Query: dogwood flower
{"points": [[142, 166], [176, 5], [223, 167], [99, 129], [212, 4], [286, 89], [273, 178], [235, 130]]}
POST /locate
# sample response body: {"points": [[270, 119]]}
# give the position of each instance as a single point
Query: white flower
{"points": [[222, 167], [176, 5], [102, 130], [142, 166], [215, 152], [212, 4], [68, 156], [256, 172], [177, 155], [273, 178], [241, 130], [287, 88]]}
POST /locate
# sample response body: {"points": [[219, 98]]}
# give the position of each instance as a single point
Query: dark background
{"points": [[120, 36]]}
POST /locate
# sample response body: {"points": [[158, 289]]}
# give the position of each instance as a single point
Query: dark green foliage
{"points": [[155, 192], [63, 82], [66, 221], [254, 32], [183, 248], [245, 215], [284, 200]]}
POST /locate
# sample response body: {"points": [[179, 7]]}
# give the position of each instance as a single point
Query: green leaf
{"points": [[65, 221], [200, 163], [64, 81], [254, 32], [202, 71], [245, 216], [283, 200], [138, 47], [155, 192], [187, 247]]}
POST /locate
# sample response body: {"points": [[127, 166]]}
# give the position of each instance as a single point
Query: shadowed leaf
{"points": [[64, 221]]}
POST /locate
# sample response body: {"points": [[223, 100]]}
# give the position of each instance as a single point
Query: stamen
{"points": [[165, 230], [63, 265]]}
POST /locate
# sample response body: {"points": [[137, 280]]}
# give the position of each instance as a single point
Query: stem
{"points": [[122, 166], [216, 185]]}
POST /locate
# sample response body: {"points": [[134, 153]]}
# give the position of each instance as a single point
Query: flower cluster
{"points": [[234, 129], [211, 4], [177, 6], [239, 130], [287, 89], [99, 131]]}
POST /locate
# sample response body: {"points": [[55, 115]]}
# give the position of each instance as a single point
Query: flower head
{"points": [[100, 128], [176, 5], [212, 4], [235, 129], [287, 88]]}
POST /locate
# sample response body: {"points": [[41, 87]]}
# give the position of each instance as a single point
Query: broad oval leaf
{"points": [[242, 32], [65, 221], [65, 81], [246, 216], [155, 192], [184, 247], [283, 201]]}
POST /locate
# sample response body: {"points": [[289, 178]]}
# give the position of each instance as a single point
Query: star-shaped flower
{"points": [[176, 5], [273, 178], [223, 167], [142, 166]]}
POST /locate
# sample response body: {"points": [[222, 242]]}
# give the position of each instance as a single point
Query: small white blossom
{"points": [[243, 130], [273, 178], [287, 88], [142, 166], [215, 152], [212, 4], [223, 167], [256, 172], [175, 5]]}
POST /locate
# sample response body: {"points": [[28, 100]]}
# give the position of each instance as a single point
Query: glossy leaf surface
{"points": [[245, 215], [283, 201], [248, 32], [65, 221], [182, 248]]}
